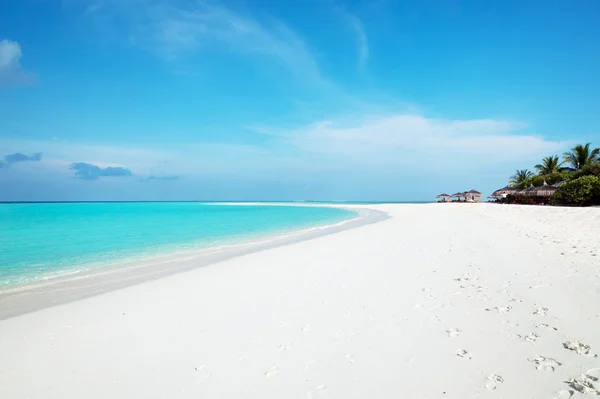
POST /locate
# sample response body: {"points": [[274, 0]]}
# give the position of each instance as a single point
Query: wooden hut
{"points": [[503, 192], [457, 195], [544, 191], [443, 197], [474, 195]]}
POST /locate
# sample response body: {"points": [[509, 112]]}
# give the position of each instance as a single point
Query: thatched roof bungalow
{"points": [[503, 192], [544, 190], [444, 197]]}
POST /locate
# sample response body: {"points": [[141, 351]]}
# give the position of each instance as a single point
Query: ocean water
{"points": [[40, 241]]}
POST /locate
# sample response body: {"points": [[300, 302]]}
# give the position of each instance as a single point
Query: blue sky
{"points": [[282, 100]]}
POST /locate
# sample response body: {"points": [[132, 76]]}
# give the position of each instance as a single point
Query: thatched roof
{"points": [[443, 196], [474, 192], [560, 183], [458, 195], [504, 191], [543, 191], [528, 192]]}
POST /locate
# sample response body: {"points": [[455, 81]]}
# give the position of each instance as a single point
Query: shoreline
{"points": [[477, 301], [72, 286]]}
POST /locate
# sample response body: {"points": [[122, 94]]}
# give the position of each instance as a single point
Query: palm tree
{"points": [[581, 155], [520, 177], [550, 165]]}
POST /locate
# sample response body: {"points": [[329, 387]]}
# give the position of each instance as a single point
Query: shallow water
{"points": [[39, 241]]}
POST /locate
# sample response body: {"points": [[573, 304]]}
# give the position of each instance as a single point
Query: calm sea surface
{"points": [[38, 241]]}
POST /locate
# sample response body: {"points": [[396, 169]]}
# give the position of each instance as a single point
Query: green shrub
{"points": [[582, 191], [549, 179], [588, 170]]}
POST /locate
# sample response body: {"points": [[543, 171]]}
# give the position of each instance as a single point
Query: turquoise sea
{"points": [[41, 240]]}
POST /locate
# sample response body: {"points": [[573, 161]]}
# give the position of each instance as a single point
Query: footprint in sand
{"points": [[500, 309], [309, 364], [493, 380], [306, 328], [463, 353], [588, 383], [349, 359], [544, 363], [460, 279], [453, 332], [564, 394], [541, 311], [579, 347], [543, 325], [284, 347], [203, 376], [315, 392], [273, 371], [531, 337]]}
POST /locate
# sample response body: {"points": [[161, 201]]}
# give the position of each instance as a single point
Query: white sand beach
{"points": [[438, 301]]}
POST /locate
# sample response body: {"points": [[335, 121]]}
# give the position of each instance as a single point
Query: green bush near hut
{"points": [[587, 170], [578, 174], [582, 191], [552, 178]]}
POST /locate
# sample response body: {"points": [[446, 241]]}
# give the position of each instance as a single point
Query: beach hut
{"points": [[457, 195], [527, 192], [544, 190], [473, 194], [503, 192], [444, 197]]}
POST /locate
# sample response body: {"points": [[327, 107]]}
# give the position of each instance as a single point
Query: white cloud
{"points": [[11, 72], [198, 159], [10, 54], [407, 139], [371, 147], [59, 154]]}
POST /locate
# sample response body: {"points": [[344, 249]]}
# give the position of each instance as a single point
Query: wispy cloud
{"points": [[88, 171], [176, 30], [11, 72], [362, 43], [369, 146], [407, 139], [19, 157], [62, 153]]}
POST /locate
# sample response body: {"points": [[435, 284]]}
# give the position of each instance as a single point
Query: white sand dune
{"points": [[439, 301]]}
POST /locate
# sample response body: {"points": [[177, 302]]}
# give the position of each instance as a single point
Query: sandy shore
{"points": [[438, 301]]}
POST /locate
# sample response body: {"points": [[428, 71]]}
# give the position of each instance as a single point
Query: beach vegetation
{"points": [[564, 176], [581, 156], [521, 178], [587, 170], [550, 165], [582, 191], [551, 178]]}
